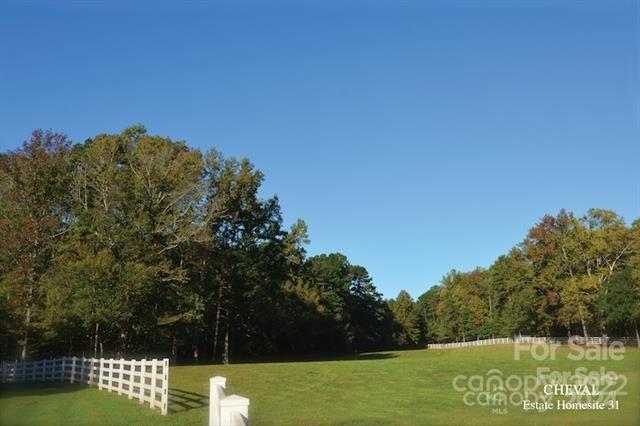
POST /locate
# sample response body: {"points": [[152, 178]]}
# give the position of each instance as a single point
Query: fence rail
{"points": [[521, 339], [144, 380]]}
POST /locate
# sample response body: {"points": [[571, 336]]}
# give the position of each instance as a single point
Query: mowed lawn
{"points": [[387, 388]]}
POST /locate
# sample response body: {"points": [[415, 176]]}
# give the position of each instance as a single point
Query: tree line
{"points": [[132, 243], [570, 276], [137, 244]]}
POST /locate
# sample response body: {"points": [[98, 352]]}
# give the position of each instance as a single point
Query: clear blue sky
{"points": [[413, 137]]}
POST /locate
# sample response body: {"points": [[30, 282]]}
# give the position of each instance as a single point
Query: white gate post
{"points": [[216, 394]]}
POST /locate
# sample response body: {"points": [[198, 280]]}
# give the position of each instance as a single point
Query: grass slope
{"points": [[390, 388]]}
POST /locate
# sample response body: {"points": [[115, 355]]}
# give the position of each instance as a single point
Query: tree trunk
{"points": [[635, 323], [225, 355], [96, 338], [123, 341], [174, 346], [27, 323], [491, 315], [195, 346], [216, 330], [584, 328]]}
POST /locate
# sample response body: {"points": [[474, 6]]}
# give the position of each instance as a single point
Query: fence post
{"points": [[100, 373], [216, 393], [83, 369], [91, 369], [165, 386], [154, 371], [143, 371], [120, 375], [95, 367], [110, 377], [62, 369], [132, 378], [73, 370]]}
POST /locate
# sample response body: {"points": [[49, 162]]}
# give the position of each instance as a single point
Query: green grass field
{"points": [[388, 388]]}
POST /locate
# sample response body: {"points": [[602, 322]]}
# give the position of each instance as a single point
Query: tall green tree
{"points": [[407, 317], [618, 302], [33, 220]]}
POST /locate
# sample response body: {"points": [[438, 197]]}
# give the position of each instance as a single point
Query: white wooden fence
{"points": [[232, 410], [518, 339], [144, 380], [499, 341]]}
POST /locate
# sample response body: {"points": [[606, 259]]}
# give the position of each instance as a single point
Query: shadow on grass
{"points": [[181, 400], [37, 389]]}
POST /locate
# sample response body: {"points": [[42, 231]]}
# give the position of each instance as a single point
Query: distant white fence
{"points": [[232, 410], [498, 341], [519, 339], [144, 380]]}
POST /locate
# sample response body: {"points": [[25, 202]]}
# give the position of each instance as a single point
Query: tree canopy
{"points": [[132, 243]]}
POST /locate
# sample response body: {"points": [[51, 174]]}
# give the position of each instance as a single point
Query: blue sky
{"points": [[413, 137]]}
